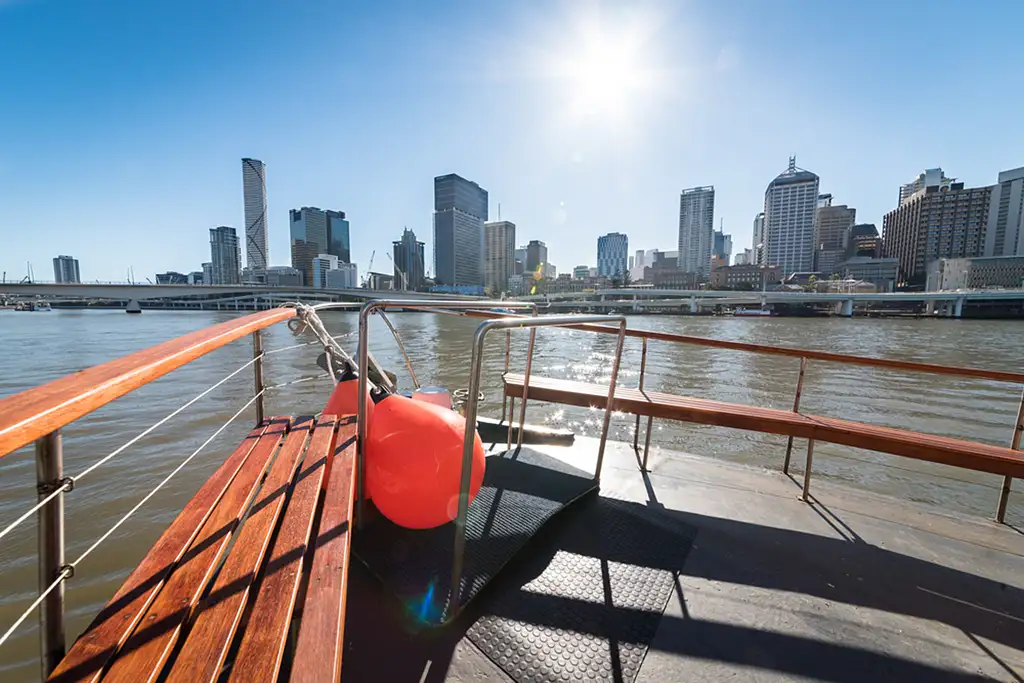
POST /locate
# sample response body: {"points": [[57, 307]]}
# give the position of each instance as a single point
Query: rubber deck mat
{"points": [[586, 602], [519, 495]]}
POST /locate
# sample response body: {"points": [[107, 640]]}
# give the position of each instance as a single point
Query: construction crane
{"points": [[369, 269], [405, 278]]}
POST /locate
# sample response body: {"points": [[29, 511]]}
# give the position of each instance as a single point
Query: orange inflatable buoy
{"points": [[414, 462]]}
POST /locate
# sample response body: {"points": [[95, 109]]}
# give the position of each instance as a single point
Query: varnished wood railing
{"points": [[34, 413]]}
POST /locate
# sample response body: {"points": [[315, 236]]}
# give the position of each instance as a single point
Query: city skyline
{"points": [[561, 162]]}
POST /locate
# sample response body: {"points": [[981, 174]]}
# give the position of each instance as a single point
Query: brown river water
{"points": [[43, 346]]}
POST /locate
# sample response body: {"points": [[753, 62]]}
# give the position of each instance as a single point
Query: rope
{"points": [[69, 485], [299, 346]]}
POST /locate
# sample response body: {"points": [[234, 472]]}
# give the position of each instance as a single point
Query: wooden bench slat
{"points": [[90, 654], [210, 636], [147, 649], [320, 644], [262, 648], [928, 447]]}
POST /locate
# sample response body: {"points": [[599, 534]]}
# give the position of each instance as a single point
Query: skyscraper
{"points": [[338, 241], [499, 255], [408, 260], [930, 176], [315, 231], [831, 225], [936, 222], [696, 225], [322, 264], [612, 250], [758, 243], [536, 254], [225, 256], [1004, 235], [65, 269], [789, 205], [722, 247], [460, 211], [254, 195]]}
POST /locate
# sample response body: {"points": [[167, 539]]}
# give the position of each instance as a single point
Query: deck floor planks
{"points": [[263, 642], [210, 636], [939, 449], [147, 649], [318, 652], [93, 650]]}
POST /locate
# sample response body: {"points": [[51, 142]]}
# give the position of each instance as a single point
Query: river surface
{"points": [[43, 346]]}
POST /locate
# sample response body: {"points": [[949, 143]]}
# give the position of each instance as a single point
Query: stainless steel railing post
{"points": [[50, 518], [526, 388], [611, 400], [796, 409], [504, 395], [807, 471], [257, 372], [1004, 491], [640, 387]]}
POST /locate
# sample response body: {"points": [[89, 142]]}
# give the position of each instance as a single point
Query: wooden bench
{"points": [[966, 454], [265, 542]]}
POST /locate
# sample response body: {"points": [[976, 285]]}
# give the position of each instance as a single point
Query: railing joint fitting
{"points": [[67, 484], [67, 569]]}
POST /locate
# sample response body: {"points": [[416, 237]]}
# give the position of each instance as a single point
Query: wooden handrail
{"points": [[911, 366], [31, 414]]}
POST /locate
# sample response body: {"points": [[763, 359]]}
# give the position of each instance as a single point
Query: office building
{"points": [[499, 255], [172, 277], [696, 225], [862, 240], [880, 272], [65, 270], [790, 202], [207, 273], [936, 222], [831, 225], [722, 247], [460, 211], [345, 276], [315, 231], [407, 254], [748, 277], [225, 256], [976, 273], [630, 266], [520, 261], [284, 276], [536, 255], [380, 281], [612, 250], [759, 237], [1004, 234], [581, 272], [195, 277], [322, 263], [550, 271], [254, 197], [745, 258], [928, 177]]}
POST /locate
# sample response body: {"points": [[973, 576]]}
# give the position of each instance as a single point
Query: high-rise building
{"points": [[207, 273], [722, 247], [1004, 235], [938, 221], [284, 276], [612, 250], [831, 225], [789, 205], [345, 276], [460, 211], [927, 178], [581, 272], [315, 231], [520, 261], [225, 256], [407, 254], [758, 243], [65, 269], [499, 255], [254, 196], [862, 240], [323, 263], [536, 256], [696, 225]]}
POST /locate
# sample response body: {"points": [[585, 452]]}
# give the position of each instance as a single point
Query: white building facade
{"points": [[696, 230], [790, 202]]}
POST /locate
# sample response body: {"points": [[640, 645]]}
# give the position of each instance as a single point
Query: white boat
{"points": [[754, 312]]}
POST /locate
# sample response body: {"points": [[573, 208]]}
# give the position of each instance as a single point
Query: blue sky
{"points": [[122, 124]]}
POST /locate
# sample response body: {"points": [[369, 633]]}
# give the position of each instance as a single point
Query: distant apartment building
{"points": [[208, 273], [930, 176], [460, 211], [1004, 235], [499, 255], [696, 228], [936, 222], [225, 256], [536, 255], [758, 244], [831, 224], [65, 270], [581, 272], [315, 231], [790, 202], [750, 277], [407, 254], [612, 250], [322, 264], [254, 197], [520, 261], [975, 273]]}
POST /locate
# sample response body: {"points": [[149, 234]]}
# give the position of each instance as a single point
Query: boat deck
{"points": [[853, 587]]}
